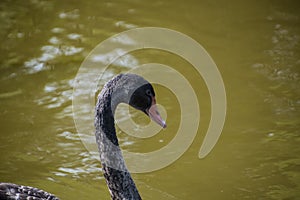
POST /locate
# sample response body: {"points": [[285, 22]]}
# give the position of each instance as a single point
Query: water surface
{"points": [[254, 44]]}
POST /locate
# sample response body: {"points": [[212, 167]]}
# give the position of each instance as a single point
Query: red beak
{"points": [[154, 114]]}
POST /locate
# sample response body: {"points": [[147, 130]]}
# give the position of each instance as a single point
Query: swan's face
{"points": [[143, 99]]}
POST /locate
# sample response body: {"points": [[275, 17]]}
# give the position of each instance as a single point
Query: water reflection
{"points": [[126, 61], [283, 72], [282, 94], [57, 94], [72, 15], [49, 54]]}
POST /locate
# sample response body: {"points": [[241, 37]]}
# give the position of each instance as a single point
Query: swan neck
{"points": [[118, 178]]}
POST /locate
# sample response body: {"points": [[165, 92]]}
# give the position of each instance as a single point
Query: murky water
{"points": [[255, 45]]}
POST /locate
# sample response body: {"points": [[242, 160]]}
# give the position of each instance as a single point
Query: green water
{"points": [[255, 46]]}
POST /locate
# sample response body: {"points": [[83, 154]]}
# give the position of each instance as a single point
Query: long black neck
{"points": [[118, 178]]}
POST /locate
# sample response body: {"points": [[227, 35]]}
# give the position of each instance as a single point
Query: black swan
{"points": [[124, 88]]}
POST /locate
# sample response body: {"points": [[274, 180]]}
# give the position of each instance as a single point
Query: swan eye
{"points": [[148, 92]]}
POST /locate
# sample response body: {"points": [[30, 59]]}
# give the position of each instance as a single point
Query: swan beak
{"points": [[154, 114]]}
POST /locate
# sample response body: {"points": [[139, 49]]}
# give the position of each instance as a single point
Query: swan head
{"points": [[143, 99]]}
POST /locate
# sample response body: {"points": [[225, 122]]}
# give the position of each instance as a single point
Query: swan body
{"points": [[124, 88], [10, 191]]}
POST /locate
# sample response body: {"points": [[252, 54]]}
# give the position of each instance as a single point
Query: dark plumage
{"points": [[124, 88], [10, 191]]}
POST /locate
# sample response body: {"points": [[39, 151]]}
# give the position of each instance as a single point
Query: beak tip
{"points": [[164, 125], [153, 113]]}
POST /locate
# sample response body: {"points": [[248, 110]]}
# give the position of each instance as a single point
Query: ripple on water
{"points": [[50, 53], [57, 94]]}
